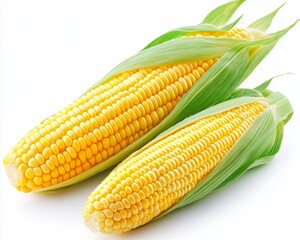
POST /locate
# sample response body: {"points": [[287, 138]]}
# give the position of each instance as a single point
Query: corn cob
{"points": [[153, 180], [102, 122], [109, 121]]}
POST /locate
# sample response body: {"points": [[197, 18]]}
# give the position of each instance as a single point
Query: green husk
{"points": [[264, 23], [222, 14], [256, 147], [215, 21], [217, 84], [179, 32], [259, 91]]}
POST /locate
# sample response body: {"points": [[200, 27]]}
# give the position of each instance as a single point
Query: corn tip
{"points": [[91, 223]]}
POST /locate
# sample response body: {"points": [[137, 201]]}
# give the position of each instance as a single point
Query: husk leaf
{"points": [[222, 14]]}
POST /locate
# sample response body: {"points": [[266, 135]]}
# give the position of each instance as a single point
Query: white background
{"points": [[53, 50]]}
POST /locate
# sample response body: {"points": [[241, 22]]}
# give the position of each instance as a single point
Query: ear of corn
{"points": [[266, 135], [141, 97], [188, 161]]}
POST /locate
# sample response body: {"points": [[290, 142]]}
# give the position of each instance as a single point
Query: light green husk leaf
{"points": [[262, 88], [215, 21], [220, 81], [256, 147], [259, 91], [223, 13], [264, 23]]}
